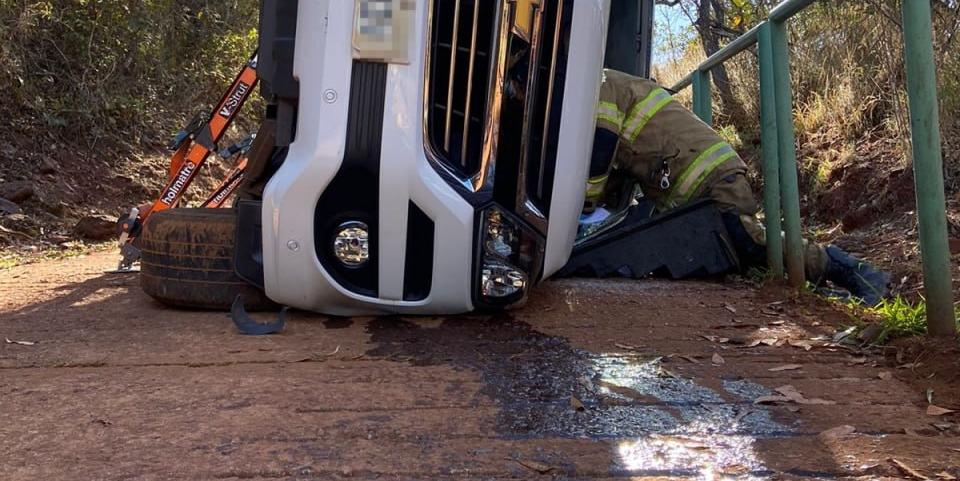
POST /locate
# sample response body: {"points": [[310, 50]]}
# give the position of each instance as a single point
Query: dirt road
{"points": [[593, 380]]}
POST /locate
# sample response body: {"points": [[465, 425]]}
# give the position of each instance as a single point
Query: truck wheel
{"points": [[187, 261]]}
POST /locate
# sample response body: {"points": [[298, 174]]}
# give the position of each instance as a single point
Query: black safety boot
{"points": [[861, 279]]}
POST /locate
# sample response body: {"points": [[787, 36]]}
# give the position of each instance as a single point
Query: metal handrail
{"points": [[732, 49], [781, 192]]}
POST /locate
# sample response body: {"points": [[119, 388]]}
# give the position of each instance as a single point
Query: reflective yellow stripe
{"points": [[610, 112], [595, 186], [699, 170], [643, 111], [597, 180]]}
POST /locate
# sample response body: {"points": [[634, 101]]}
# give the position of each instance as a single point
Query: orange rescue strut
{"points": [[192, 148]]}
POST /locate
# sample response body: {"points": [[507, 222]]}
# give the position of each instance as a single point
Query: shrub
{"points": [[84, 70]]}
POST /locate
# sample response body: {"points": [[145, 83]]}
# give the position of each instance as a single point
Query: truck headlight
{"points": [[499, 280], [382, 30], [510, 259], [351, 245]]}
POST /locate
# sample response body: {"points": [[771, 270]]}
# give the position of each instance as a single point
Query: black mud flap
{"points": [[249, 327], [687, 242], [248, 254]]}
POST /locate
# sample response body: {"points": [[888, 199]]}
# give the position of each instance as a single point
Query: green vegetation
{"points": [[848, 74], [902, 318], [83, 71]]}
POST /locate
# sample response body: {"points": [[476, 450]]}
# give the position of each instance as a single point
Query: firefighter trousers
{"points": [[738, 207]]}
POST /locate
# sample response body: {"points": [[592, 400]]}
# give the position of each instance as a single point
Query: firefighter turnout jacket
{"points": [[675, 157]]}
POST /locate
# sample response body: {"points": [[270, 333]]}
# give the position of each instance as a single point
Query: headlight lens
{"points": [[509, 261], [381, 30], [500, 280], [351, 245]]}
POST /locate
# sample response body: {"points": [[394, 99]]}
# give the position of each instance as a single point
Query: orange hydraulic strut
{"points": [[226, 188], [234, 177], [192, 147]]}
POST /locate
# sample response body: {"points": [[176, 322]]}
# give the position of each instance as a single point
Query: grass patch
{"points": [[902, 318]]}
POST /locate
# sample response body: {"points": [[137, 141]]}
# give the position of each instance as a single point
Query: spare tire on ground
{"points": [[187, 261]]}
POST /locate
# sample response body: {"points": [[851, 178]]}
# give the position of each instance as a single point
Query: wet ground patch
{"points": [[658, 422]]}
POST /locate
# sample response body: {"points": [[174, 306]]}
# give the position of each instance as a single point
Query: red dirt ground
{"points": [[592, 380]]}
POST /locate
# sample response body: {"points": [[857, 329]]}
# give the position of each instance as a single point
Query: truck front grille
{"points": [[462, 40], [495, 82]]}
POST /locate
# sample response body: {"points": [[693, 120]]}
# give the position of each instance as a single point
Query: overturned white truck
{"points": [[415, 157]]}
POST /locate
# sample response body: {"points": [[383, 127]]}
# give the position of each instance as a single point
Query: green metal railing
{"points": [[781, 198]]}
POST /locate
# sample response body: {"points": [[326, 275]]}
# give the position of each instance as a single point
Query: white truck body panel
{"points": [[293, 274]]}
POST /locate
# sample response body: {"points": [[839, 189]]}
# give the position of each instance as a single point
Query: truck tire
{"points": [[187, 261]]}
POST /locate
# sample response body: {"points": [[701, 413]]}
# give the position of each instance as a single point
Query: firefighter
{"points": [[676, 159]]}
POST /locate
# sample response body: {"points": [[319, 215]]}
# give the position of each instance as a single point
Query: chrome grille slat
{"points": [[468, 101], [454, 48], [545, 138]]}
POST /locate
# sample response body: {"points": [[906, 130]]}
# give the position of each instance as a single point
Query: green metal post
{"points": [[928, 166], [697, 87], [705, 96], [771, 157], [789, 184]]}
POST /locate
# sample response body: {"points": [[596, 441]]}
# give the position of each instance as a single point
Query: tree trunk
{"points": [[710, 40]]}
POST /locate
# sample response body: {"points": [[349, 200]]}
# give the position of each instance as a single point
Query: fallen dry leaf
{"points": [[777, 323], [838, 432], [535, 466], [718, 359], [333, 353], [841, 335], [576, 404], [858, 361], [945, 476], [740, 417], [735, 469], [21, 343], [885, 376], [938, 411], [788, 367], [717, 339], [789, 394], [628, 347], [689, 359], [805, 345], [907, 470], [730, 308]]}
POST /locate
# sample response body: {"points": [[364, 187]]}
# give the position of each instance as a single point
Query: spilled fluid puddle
{"points": [[658, 423], [708, 438]]}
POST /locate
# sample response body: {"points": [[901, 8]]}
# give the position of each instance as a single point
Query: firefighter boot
{"points": [[861, 279]]}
